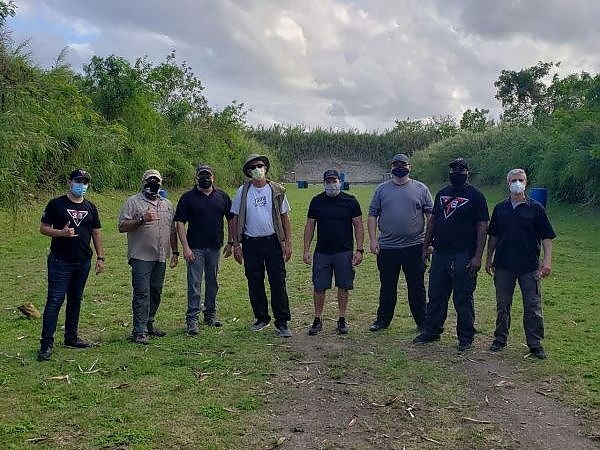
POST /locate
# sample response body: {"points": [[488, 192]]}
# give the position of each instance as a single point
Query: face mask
{"points": [[457, 179], [78, 189], [258, 173], [204, 182], [400, 171], [517, 187], [332, 189], [150, 189]]}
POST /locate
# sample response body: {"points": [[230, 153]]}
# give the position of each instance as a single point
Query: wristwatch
{"points": [[360, 250]]}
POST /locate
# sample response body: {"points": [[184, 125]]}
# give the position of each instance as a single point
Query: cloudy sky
{"points": [[330, 63]]}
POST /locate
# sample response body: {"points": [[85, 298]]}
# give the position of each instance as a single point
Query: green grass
{"points": [[181, 391]]}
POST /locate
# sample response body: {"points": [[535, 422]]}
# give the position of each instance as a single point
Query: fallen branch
{"points": [[431, 440], [351, 383], [470, 419], [61, 377]]}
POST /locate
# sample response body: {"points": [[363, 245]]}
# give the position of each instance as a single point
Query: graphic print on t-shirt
{"points": [[451, 204], [260, 201], [77, 216]]}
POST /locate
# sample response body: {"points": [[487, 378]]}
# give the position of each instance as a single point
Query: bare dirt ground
{"points": [[499, 408]]}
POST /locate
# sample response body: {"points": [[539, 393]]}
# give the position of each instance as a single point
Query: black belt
{"points": [[258, 238]]}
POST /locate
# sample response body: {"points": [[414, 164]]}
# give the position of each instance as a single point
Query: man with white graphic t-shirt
{"points": [[263, 241], [457, 232]]}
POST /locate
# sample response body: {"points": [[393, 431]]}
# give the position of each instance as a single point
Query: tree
{"points": [[475, 121], [7, 9]]}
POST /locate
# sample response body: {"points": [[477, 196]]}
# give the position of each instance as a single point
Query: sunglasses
{"points": [[256, 166]]}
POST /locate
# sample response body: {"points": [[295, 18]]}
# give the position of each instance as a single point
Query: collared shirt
{"points": [[519, 231], [151, 241]]}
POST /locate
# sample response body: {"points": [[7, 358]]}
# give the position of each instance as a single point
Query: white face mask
{"points": [[332, 189], [516, 187], [258, 173]]}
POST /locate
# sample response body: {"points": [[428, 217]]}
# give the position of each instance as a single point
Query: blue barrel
{"points": [[162, 193], [539, 194], [302, 184], [342, 177], [345, 186]]}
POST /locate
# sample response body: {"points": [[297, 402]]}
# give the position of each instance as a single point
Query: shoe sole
{"points": [[425, 342], [253, 328]]}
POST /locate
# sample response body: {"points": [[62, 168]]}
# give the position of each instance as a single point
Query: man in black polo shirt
{"points": [[203, 208], [517, 228], [457, 231], [335, 214]]}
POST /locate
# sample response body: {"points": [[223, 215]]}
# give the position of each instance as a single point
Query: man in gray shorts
{"points": [[335, 214]]}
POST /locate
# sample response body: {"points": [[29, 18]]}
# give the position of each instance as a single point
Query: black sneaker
{"points": [[316, 327], [212, 322], [377, 326], [538, 352], [259, 325], [78, 343], [155, 331], [342, 325], [425, 338], [44, 354], [464, 346], [192, 328], [497, 346], [282, 330]]}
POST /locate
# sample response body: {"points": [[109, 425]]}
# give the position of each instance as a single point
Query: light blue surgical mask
{"points": [[332, 189], [78, 189]]}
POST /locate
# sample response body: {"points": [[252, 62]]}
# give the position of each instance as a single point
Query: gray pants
{"points": [[147, 278], [207, 262], [533, 321]]}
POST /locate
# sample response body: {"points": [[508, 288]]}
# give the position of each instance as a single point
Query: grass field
{"points": [[210, 391]]}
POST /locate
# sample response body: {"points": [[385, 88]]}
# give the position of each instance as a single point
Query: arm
{"points": [[174, 251], [489, 260], [546, 265], [188, 254], [97, 240], [309, 232], [47, 230], [475, 263], [372, 229], [287, 241], [427, 248], [230, 240], [359, 236], [237, 246], [127, 225]]}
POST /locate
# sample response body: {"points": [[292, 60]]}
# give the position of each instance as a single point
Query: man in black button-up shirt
{"points": [[517, 228]]}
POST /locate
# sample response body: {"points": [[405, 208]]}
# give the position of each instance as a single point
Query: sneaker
{"points": [[377, 326], [497, 346], [44, 354], [192, 328], [155, 331], [212, 322], [141, 339], [538, 352], [316, 327], [464, 346], [342, 325], [78, 343], [259, 325], [425, 338], [283, 331]]}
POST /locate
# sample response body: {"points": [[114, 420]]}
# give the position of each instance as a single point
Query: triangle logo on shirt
{"points": [[77, 216], [451, 204]]}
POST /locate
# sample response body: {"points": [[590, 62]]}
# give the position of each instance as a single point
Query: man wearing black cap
{"points": [[399, 209], [457, 232], [203, 209], [263, 240], [335, 214], [71, 221]]}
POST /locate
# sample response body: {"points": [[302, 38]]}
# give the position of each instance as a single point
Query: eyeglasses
{"points": [[256, 166], [81, 180]]}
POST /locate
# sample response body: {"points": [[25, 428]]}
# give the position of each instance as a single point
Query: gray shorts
{"points": [[338, 264]]}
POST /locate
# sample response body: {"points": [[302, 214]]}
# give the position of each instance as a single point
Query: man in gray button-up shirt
{"points": [[399, 208], [147, 218]]}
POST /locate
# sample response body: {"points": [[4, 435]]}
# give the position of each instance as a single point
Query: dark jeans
{"points": [[533, 321], [207, 262], [449, 274], [389, 263], [68, 279], [260, 254], [147, 278]]}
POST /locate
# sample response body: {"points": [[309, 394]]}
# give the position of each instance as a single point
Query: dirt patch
{"points": [[311, 170], [318, 407]]}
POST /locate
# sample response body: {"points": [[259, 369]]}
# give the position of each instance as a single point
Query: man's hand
{"points": [[227, 250], [474, 265], [427, 252], [237, 254], [287, 250], [99, 266], [68, 232], [188, 255], [374, 245], [307, 258], [489, 266], [174, 261], [150, 215], [357, 258], [545, 269]]}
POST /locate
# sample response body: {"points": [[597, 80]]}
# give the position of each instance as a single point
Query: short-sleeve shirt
{"points": [[204, 215], [400, 211], [519, 232], [151, 241], [259, 210], [456, 213], [83, 217], [334, 221]]}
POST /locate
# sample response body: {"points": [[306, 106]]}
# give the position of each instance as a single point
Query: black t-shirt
{"points": [[81, 216], [456, 213], [204, 215], [520, 232], [334, 221]]}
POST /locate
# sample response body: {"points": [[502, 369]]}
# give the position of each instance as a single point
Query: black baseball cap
{"points": [[80, 173], [331, 173], [204, 168], [460, 163], [400, 157]]}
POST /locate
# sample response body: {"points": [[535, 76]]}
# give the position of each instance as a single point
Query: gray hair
{"points": [[515, 172]]}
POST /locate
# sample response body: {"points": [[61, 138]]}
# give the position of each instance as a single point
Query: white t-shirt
{"points": [[259, 206]]}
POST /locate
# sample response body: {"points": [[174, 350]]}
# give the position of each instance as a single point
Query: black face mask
{"points": [[400, 171], [150, 189], [457, 179], [204, 182]]}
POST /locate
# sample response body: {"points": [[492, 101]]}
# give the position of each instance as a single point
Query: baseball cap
{"points": [[80, 173], [204, 168], [459, 162], [400, 157], [331, 173], [151, 173]]}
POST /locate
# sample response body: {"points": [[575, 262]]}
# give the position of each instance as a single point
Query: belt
{"points": [[258, 238]]}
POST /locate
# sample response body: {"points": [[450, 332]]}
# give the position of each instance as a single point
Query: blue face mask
{"points": [[78, 189]]}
